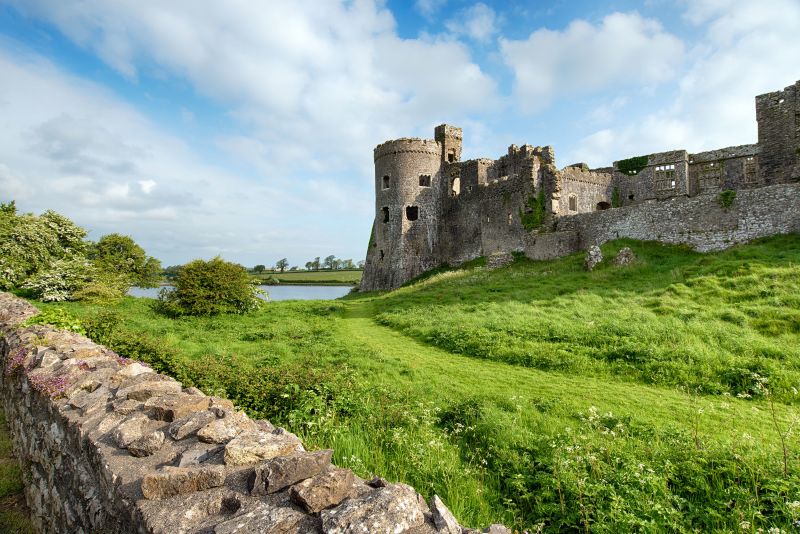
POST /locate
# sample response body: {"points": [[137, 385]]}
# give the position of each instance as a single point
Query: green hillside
{"points": [[657, 397]]}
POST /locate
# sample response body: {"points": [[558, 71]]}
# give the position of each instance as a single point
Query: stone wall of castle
{"points": [[107, 445], [778, 116], [701, 222]]}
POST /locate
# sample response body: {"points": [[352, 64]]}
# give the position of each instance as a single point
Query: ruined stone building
{"points": [[432, 208]]}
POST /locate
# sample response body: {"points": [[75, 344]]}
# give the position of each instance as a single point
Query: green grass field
{"points": [[337, 278], [657, 397]]}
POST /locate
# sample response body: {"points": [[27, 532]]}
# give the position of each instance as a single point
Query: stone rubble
{"points": [[625, 257], [110, 446], [593, 257]]}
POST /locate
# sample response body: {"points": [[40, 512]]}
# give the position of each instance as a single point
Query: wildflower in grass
{"points": [[744, 525]]}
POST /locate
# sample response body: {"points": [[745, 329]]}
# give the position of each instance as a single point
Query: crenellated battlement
{"points": [[407, 145]]}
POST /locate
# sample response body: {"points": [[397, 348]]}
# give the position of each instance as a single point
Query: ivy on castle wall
{"points": [[632, 166], [532, 216], [615, 200]]}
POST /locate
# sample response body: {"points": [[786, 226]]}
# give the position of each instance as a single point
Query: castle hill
{"points": [[243, 290]]}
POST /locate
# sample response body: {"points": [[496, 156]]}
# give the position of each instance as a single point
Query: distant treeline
{"points": [[329, 263]]}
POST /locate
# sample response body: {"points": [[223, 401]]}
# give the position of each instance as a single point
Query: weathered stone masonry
{"points": [[463, 210], [107, 445]]}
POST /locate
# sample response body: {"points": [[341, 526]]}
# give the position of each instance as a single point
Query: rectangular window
{"points": [[710, 175], [573, 203], [385, 212], [412, 213], [665, 177], [386, 182], [750, 170], [424, 180]]}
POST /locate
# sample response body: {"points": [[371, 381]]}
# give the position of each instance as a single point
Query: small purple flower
{"points": [[52, 386], [16, 360], [121, 359]]}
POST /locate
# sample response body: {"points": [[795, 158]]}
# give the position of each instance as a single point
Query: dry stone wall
{"points": [[107, 445]]}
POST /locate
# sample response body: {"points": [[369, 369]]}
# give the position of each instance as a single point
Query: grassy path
{"points": [[434, 374]]}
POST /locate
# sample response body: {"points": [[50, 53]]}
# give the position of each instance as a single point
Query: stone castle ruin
{"points": [[433, 209]]}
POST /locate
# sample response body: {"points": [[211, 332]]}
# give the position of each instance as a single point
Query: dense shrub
{"points": [[210, 288], [49, 256], [119, 254], [30, 244]]}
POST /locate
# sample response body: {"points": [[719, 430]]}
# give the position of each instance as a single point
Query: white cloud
{"points": [[624, 50], [72, 146], [428, 8], [478, 22], [329, 76], [745, 49]]}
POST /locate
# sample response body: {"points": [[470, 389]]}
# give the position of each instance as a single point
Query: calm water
{"points": [[282, 292]]}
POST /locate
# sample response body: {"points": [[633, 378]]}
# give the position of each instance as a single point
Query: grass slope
{"points": [[539, 395]]}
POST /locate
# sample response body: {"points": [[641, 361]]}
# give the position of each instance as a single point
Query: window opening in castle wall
{"points": [[424, 180], [710, 175], [510, 219], [451, 156], [386, 182], [385, 211], [573, 203], [412, 213], [750, 170], [665, 177], [455, 187], [601, 206]]}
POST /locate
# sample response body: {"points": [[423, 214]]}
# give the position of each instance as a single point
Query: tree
{"points": [[259, 268], [210, 288], [293, 268], [348, 264], [115, 253], [309, 265], [361, 264], [329, 261], [31, 244], [316, 264], [282, 264]]}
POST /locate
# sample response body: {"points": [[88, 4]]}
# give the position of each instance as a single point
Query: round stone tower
{"points": [[408, 202]]}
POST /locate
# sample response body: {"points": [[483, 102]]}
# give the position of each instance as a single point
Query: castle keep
{"points": [[433, 209]]}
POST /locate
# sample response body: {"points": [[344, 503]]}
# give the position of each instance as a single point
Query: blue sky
{"points": [[246, 128]]}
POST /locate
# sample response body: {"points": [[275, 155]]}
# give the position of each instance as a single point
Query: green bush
{"points": [[727, 197], [58, 318], [31, 244], [61, 280], [533, 215], [119, 254], [210, 288], [632, 166]]}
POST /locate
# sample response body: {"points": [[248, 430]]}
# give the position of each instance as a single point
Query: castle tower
{"points": [[450, 139], [778, 116], [408, 204]]}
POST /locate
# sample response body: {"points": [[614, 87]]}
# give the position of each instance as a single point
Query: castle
{"points": [[433, 209]]}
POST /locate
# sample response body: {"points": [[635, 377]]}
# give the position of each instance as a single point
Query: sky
{"points": [[245, 129]]}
